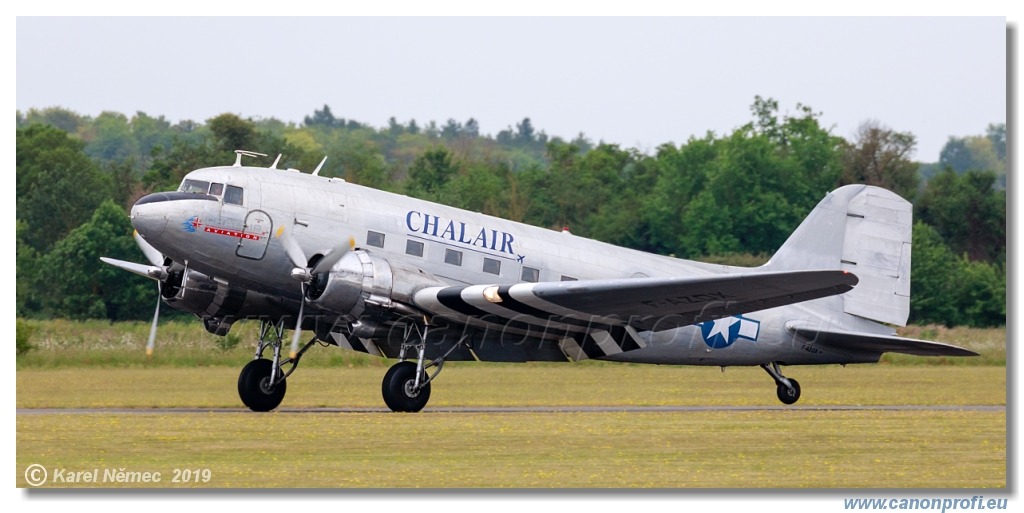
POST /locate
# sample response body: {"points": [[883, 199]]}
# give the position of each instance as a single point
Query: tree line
{"points": [[731, 198]]}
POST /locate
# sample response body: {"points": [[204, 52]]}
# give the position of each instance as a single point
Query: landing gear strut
{"points": [[406, 385], [788, 389], [261, 384]]}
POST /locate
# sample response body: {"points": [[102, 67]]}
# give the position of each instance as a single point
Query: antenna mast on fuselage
{"points": [[240, 153]]}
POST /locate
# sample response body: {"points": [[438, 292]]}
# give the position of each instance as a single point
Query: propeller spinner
{"points": [[303, 273]]}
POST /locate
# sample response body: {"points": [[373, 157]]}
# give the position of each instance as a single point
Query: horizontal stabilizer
{"points": [[868, 342]]}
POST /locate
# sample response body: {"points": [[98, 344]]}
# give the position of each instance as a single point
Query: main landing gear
{"points": [[406, 385], [261, 384], [788, 389]]}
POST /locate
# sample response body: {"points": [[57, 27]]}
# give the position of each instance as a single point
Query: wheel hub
{"points": [[266, 386], [410, 388]]}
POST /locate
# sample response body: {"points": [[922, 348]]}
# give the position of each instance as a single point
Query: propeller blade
{"points": [[332, 256], [151, 343], [155, 257], [147, 271], [297, 332], [292, 248]]}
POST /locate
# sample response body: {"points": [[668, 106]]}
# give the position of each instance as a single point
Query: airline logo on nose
{"points": [[192, 224]]}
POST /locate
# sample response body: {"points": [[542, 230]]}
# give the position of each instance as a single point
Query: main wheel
{"points": [[787, 395], [398, 390], [255, 388]]}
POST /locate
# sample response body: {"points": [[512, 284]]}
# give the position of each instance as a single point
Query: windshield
{"points": [[194, 186]]}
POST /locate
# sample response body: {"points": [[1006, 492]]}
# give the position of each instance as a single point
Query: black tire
{"points": [[788, 396], [253, 386], [397, 388]]}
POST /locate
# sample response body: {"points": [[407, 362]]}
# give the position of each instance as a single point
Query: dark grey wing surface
{"points": [[640, 303]]}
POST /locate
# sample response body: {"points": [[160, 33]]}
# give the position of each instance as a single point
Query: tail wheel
{"points": [[399, 388], [255, 388], [789, 395]]}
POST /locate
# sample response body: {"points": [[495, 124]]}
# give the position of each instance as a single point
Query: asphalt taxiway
{"points": [[518, 409]]}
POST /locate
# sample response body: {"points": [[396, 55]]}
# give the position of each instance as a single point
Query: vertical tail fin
{"points": [[864, 230]]}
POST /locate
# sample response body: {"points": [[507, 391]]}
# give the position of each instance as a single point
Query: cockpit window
{"points": [[194, 186], [216, 189], [233, 195]]}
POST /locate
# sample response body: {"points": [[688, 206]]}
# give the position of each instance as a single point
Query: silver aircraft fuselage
{"points": [[236, 240]]}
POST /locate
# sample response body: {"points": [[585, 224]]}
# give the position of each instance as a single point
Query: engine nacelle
{"points": [[217, 302], [360, 279]]}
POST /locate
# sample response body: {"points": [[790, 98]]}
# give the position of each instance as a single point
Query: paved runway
{"points": [[515, 409]]}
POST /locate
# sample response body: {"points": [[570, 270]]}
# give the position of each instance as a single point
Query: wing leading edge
{"points": [[643, 304]]}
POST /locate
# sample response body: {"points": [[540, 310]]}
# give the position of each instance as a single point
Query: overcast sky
{"points": [[638, 82]]}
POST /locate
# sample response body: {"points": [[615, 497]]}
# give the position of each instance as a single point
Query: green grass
{"points": [[726, 449], [83, 365], [534, 384], [770, 449]]}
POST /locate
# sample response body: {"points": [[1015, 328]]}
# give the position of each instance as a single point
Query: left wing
{"points": [[653, 304]]}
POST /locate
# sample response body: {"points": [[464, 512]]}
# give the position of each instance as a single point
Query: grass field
{"points": [[771, 449], [797, 448], [713, 449]]}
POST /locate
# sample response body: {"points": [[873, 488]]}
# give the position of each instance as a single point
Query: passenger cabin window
{"points": [[375, 239], [233, 195], [452, 257], [216, 189], [531, 275], [492, 266], [569, 278], [194, 186], [414, 248]]}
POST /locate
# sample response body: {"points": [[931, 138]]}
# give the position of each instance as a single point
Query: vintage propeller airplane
{"points": [[425, 283]]}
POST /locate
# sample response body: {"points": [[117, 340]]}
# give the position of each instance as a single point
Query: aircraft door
{"points": [[255, 235]]}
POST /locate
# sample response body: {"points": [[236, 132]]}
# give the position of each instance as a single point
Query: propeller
{"points": [[157, 259], [157, 272], [304, 274]]}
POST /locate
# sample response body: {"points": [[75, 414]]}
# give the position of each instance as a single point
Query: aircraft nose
{"points": [[148, 215]]}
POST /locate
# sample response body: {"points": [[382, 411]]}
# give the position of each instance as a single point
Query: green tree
{"points": [[982, 294], [996, 132], [983, 154], [110, 138], [58, 186], [185, 154], [681, 177], [25, 272], [74, 283], [933, 285], [231, 133], [977, 153], [150, 133], [748, 204], [57, 117], [357, 157], [479, 189], [881, 156], [429, 173], [968, 212]]}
